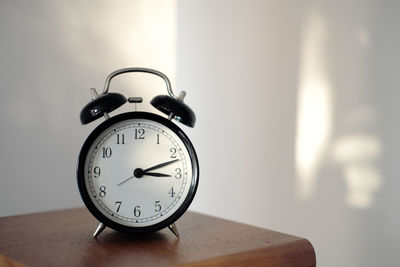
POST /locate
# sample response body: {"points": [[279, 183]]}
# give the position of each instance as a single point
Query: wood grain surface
{"points": [[64, 238]]}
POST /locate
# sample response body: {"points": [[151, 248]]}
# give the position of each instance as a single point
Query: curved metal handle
{"points": [[145, 70]]}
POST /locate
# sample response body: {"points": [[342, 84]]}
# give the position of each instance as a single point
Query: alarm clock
{"points": [[137, 171]]}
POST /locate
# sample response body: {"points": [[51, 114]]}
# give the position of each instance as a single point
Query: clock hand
{"points": [[156, 174], [160, 165], [126, 180]]}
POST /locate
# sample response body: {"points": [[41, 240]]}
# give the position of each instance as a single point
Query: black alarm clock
{"points": [[137, 171]]}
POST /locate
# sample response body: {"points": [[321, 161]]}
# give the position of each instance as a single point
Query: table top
{"points": [[64, 238]]}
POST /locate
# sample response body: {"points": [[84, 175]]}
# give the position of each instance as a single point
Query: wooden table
{"points": [[64, 238]]}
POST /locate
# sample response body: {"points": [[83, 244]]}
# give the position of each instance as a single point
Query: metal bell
{"points": [[102, 104], [175, 108]]}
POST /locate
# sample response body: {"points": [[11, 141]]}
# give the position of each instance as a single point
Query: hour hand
{"points": [[156, 174]]}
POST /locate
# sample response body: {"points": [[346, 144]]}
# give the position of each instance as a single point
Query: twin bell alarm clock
{"points": [[137, 171]]}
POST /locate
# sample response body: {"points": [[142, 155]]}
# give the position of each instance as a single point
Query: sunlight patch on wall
{"points": [[358, 154], [131, 33], [314, 108]]}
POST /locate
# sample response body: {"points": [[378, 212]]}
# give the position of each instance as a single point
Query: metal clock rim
{"points": [[81, 173]]}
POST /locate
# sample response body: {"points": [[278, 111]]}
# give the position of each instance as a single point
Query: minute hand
{"points": [[160, 165]]}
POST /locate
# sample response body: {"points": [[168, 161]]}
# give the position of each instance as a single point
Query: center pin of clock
{"points": [[138, 173]]}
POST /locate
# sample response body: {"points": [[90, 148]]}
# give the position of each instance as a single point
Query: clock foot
{"points": [[174, 229], [99, 229]]}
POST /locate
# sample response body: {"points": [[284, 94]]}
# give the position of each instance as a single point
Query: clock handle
{"points": [[172, 105], [145, 70]]}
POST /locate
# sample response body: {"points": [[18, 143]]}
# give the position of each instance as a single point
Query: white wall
{"points": [[297, 128], [51, 53]]}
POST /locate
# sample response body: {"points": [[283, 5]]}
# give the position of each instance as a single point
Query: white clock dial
{"points": [[138, 172]]}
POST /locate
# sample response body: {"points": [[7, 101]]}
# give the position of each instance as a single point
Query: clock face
{"points": [[137, 172]]}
